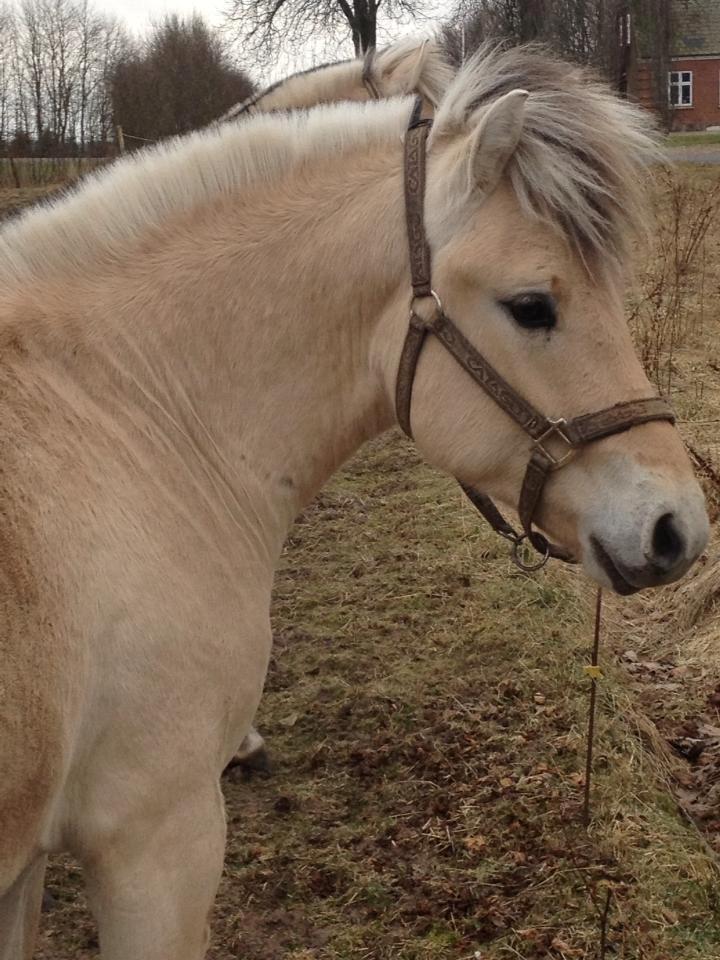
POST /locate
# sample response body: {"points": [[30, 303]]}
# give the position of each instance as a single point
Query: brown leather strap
{"points": [[415, 173], [623, 416], [536, 474], [547, 434], [484, 505], [487, 377], [414, 341]]}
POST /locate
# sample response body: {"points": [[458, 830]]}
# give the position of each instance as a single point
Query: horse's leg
{"points": [[151, 886], [20, 912], [251, 755], [252, 746]]}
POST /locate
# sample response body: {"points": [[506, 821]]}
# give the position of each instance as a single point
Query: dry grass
{"points": [[673, 274], [12, 200], [31, 172], [426, 711]]}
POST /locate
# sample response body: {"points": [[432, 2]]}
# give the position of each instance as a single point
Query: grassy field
{"points": [[32, 172], [426, 711], [693, 139]]}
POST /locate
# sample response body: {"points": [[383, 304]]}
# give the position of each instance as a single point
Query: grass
{"points": [[32, 172], [12, 200], [426, 711], [701, 138]]}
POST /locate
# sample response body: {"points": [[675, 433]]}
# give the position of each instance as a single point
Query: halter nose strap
{"points": [[554, 441]]}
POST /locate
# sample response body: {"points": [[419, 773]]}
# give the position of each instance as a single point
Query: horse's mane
{"points": [[288, 85], [581, 164], [434, 77], [326, 82], [107, 211]]}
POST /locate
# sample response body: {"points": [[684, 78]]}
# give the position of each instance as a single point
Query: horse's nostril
{"points": [[668, 544]]}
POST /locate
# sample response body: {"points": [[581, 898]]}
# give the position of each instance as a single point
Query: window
{"points": [[680, 88]]}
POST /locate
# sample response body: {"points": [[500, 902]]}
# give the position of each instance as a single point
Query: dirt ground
{"points": [[426, 712]]}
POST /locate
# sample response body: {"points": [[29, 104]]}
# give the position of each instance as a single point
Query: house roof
{"points": [[695, 28]]}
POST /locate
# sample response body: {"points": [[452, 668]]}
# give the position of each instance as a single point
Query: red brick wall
{"points": [[705, 111], [640, 85]]}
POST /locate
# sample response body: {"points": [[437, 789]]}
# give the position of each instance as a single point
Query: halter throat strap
{"points": [[554, 441]]}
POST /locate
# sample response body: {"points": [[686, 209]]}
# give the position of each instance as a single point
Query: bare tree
{"points": [[31, 64], [564, 24], [264, 27], [113, 47], [608, 34], [6, 71], [192, 77], [55, 60]]}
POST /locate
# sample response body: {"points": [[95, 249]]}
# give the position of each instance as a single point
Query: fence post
{"points": [[120, 137], [14, 171]]}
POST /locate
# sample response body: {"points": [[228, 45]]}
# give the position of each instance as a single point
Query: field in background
{"points": [[426, 709], [31, 172], [691, 139]]}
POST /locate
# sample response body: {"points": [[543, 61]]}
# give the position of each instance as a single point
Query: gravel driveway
{"points": [[698, 153]]}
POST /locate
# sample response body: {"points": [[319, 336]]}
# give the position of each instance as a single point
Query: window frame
{"points": [[680, 83]]}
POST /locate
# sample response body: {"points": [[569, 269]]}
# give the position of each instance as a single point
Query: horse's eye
{"points": [[533, 311]]}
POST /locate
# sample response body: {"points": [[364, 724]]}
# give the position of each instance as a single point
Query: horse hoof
{"points": [[257, 762], [247, 766], [251, 758]]}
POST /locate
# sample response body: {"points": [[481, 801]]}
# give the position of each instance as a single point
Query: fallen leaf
{"points": [[475, 844]]}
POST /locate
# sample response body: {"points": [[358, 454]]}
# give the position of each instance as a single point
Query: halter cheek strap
{"points": [[554, 441]]}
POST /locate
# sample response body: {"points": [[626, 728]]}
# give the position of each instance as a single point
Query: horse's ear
{"points": [[495, 141], [402, 66], [417, 66]]}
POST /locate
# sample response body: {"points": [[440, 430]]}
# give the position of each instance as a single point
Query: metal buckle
{"points": [[555, 429], [521, 550], [438, 313]]}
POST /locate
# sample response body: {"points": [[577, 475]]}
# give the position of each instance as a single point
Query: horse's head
{"points": [[534, 187]]}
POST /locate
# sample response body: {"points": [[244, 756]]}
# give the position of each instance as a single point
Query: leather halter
{"points": [[554, 441]]}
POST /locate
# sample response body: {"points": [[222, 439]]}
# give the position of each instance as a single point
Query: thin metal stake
{"points": [[604, 925], [593, 672]]}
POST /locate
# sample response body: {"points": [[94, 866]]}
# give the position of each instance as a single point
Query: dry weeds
{"points": [[670, 302]]}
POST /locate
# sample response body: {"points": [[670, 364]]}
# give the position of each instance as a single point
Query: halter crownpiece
{"points": [[554, 441]]}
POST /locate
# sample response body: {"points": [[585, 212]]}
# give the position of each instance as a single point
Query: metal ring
{"points": [[522, 564], [438, 303]]}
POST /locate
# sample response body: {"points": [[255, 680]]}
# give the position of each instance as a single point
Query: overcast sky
{"points": [[138, 14]]}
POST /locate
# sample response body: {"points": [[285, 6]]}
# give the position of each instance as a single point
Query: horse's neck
{"points": [[262, 317], [331, 84]]}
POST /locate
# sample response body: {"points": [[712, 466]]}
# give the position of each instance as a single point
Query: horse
{"points": [[407, 66], [194, 340]]}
